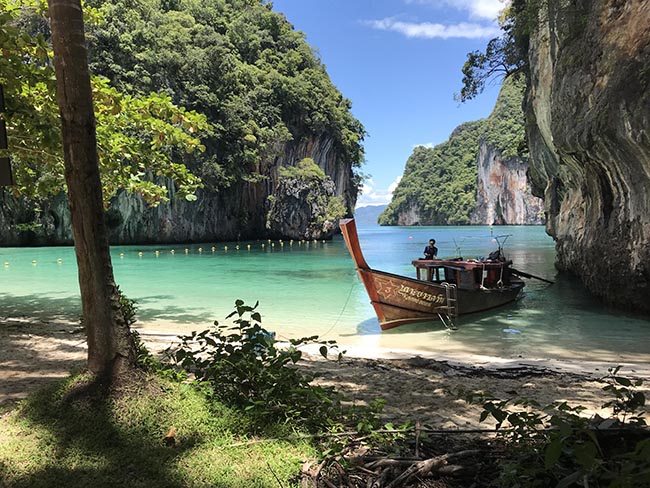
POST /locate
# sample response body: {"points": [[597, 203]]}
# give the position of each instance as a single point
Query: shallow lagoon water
{"points": [[312, 289]]}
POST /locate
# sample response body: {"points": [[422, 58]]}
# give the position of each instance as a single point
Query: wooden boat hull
{"points": [[399, 300]]}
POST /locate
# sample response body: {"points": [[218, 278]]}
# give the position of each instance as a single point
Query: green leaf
{"points": [[552, 453], [323, 351], [585, 455]]}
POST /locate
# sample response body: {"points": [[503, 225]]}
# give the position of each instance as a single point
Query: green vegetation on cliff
{"points": [[440, 183], [183, 89], [236, 61], [304, 206]]}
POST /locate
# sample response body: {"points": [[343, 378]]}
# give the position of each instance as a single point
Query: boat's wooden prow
{"points": [[349, 231]]}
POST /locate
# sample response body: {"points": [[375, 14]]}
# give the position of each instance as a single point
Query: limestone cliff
{"points": [[411, 215], [239, 212], [263, 90], [305, 205], [588, 120], [26, 223], [475, 177], [503, 195]]}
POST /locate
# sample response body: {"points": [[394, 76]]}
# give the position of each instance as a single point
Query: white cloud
{"points": [[477, 9], [376, 196], [428, 145], [429, 30], [393, 185], [481, 20]]}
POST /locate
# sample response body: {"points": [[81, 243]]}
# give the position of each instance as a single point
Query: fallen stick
{"points": [[426, 467], [381, 480], [391, 463]]}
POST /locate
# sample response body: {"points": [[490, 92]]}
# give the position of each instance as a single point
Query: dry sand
{"points": [[34, 353]]}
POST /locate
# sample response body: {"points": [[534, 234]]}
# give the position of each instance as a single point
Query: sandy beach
{"points": [[34, 353]]}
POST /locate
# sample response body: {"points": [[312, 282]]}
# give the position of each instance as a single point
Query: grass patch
{"points": [[58, 437]]}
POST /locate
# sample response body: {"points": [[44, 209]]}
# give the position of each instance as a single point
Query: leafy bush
{"points": [[245, 367], [129, 307], [144, 358], [554, 445], [306, 169]]}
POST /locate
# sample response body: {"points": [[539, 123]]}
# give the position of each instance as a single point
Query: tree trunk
{"points": [[110, 345]]}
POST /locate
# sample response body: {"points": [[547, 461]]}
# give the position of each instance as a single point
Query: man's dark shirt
{"points": [[430, 252]]}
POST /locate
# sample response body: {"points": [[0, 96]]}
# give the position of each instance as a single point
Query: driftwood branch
{"points": [[382, 479], [425, 468], [374, 472]]}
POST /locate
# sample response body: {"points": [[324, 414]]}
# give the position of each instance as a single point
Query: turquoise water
{"points": [[312, 289]]}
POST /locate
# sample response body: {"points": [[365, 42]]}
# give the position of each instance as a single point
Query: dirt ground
{"points": [[33, 354]]}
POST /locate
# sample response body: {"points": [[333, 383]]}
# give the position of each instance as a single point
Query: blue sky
{"points": [[399, 62]]}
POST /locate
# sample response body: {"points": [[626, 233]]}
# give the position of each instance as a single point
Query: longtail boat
{"points": [[441, 290]]}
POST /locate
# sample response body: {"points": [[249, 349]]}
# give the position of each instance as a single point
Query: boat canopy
{"points": [[469, 274]]}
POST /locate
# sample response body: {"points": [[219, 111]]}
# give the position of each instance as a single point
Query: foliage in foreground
{"points": [[245, 420], [242, 365], [139, 137], [536, 447], [158, 429], [554, 445]]}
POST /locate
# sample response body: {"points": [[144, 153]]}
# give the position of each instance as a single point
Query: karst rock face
{"points": [[410, 216], [588, 126], [238, 212], [296, 209], [503, 195]]}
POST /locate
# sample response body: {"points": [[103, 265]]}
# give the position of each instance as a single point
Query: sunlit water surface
{"points": [[312, 289]]}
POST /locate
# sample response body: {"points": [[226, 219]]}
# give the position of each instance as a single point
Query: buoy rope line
{"points": [[158, 252]]}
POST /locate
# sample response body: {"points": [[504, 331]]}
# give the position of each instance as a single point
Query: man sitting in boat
{"points": [[431, 251]]}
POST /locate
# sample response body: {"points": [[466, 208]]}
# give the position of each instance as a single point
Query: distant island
{"points": [[369, 214], [477, 176]]}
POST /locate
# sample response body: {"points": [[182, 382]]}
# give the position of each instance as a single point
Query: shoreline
{"points": [[427, 387], [576, 365]]}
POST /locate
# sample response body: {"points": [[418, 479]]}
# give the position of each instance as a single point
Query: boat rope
{"points": [[500, 282], [345, 305]]}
